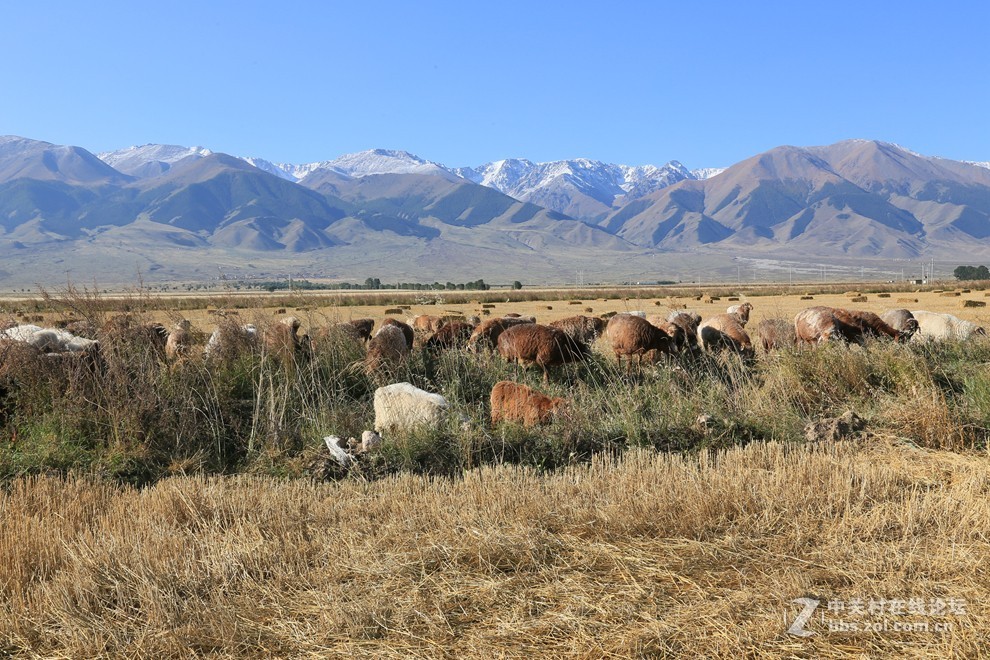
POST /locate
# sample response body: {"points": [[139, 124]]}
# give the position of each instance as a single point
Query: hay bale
{"points": [[393, 310], [807, 297], [858, 299], [488, 306], [907, 300], [549, 306], [852, 294], [964, 291], [280, 310], [949, 294], [883, 295], [588, 310], [732, 299], [973, 303]]}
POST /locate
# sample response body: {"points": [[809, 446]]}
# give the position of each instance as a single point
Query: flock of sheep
{"points": [[632, 336]]}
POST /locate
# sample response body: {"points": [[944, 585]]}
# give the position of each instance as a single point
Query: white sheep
{"points": [[932, 325], [403, 407], [49, 340], [224, 338]]}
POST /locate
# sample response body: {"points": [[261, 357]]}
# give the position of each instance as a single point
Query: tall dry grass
{"points": [[651, 554]]}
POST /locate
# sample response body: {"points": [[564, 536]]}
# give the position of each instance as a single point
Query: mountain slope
{"points": [[856, 197]]}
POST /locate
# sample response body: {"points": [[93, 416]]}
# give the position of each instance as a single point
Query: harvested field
{"points": [[648, 555]]}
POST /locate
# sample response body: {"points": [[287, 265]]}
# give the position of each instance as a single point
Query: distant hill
{"points": [[173, 212]]}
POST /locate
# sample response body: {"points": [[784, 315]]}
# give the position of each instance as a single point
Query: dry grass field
{"points": [[162, 509], [650, 555]]}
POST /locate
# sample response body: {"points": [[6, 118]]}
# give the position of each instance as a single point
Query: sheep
{"points": [[228, 340], [426, 323], [387, 349], [50, 340], [678, 340], [871, 324], [821, 324], [451, 335], [901, 320], [282, 339], [179, 339], [402, 407], [633, 335], [362, 327], [407, 331], [775, 334], [125, 329], [688, 322], [513, 402], [945, 326], [725, 331], [543, 346], [585, 329], [486, 335], [741, 311]]}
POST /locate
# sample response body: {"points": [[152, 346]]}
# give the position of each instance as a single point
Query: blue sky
{"points": [[463, 83]]}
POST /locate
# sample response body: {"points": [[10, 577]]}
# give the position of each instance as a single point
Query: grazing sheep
{"points": [[585, 329], [486, 335], [407, 331], [945, 326], [725, 331], [513, 402], [741, 311], [387, 349], [451, 335], [814, 325], [363, 327], [635, 336], [543, 346], [283, 341], [678, 340], [775, 334], [179, 340], [901, 320], [229, 340], [426, 323], [688, 322], [871, 324], [402, 407]]}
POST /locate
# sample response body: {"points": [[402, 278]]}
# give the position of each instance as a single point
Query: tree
{"points": [[517, 284], [971, 273]]}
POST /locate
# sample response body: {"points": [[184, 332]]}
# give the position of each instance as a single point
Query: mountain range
{"points": [[174, 212]]}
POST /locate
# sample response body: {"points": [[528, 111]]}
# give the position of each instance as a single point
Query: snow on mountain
{"points": [[162, 153], [706, 172], [985, 164]]}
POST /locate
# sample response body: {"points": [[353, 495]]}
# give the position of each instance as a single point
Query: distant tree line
{"points": [[972, 273], [372, 283]]}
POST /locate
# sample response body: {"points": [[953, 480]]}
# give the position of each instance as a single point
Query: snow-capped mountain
{"points": [[706, 172], [356, 165], [580, 187], [985, 164]]}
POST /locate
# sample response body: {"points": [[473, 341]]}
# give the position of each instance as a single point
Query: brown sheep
{"points": [[585, 329], [179, 340], [362, 326], [635, 336], [775, 334], [814, 325], [283, 341], [677, 338], [741, 311], [725, 331], [871, 324], [513, 402], [406, 329], [485, 336], [387, 349], [543, 346], [426, 323], [451, 335]]}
